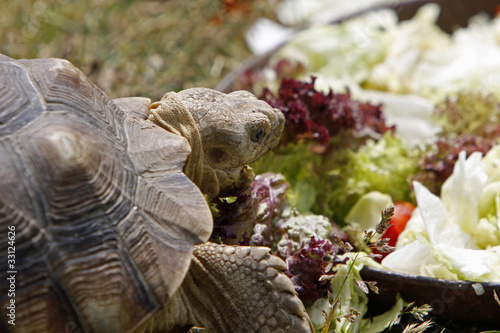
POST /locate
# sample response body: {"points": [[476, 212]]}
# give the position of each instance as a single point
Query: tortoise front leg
{"points": [[239, 289]]}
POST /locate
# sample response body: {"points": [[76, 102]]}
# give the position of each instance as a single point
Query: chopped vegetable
{"points": [[311, 114], [262, 215], [247, 219], [335, 149], [305, 267], [376, 51], [471, 114], [470, 122], [438, 164], [344, 161], [457, 235], [402, 214]]}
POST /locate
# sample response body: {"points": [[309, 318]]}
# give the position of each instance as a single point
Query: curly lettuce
{"points": [[263, 216], [335, 149], [329, 183]]}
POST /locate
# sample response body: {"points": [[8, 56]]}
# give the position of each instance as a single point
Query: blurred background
{"points": [[146, 48], [134, 48]]}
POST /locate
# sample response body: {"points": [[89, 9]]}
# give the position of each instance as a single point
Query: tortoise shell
{"points": [[91, 194]]}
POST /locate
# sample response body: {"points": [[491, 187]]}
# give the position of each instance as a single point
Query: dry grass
{"points": [[133, 47]]}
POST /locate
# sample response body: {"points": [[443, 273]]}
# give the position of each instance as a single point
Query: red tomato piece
{"points": [[402, 213]]}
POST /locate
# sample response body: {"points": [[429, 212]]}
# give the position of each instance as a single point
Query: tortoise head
{"points": [[236, 129]]}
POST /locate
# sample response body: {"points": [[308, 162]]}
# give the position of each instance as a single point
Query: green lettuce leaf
{"points": [[457, 234]]}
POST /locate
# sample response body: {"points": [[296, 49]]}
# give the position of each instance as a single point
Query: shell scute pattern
{"points": [[21, 101], [83, 259]]}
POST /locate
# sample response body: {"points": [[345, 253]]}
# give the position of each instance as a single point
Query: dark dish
{"points": [[452, 299]]}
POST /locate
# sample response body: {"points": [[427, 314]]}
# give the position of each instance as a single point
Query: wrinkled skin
{"points": [[236, 129]]}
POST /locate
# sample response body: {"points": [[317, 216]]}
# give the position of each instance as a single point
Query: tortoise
{"points": [[105, 205]]}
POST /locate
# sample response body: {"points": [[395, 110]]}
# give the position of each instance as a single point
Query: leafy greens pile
{"points": [[335, 149], [344, 152]]}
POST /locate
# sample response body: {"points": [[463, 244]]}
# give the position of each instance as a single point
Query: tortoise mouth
{"points": [[234, 180]]}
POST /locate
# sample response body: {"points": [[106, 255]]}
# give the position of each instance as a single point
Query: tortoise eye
{"points": [[257, 134]]}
